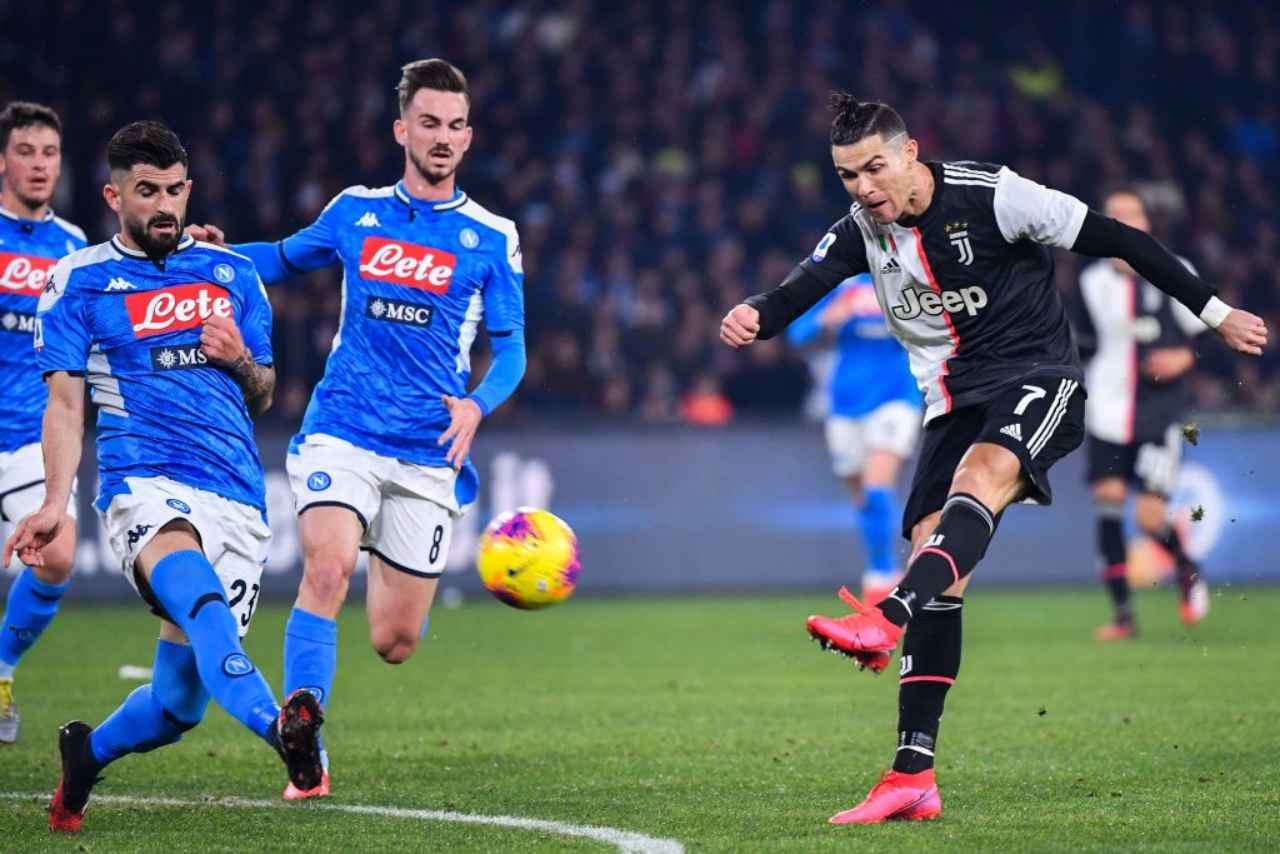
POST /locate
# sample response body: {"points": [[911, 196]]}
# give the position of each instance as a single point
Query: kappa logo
{"points": [[119, 284], [138, 532], [915, 303], [891, 268], [369, 220], [1013, 431]]}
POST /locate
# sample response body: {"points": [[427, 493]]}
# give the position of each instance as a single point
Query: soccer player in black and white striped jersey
{"points": [[959, 253]]}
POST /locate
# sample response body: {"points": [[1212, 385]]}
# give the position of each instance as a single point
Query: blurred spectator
{"points": [[665, 159]]}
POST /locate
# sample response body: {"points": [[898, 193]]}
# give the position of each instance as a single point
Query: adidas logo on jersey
{"points": [[1013, 431], [369, 220], [891, 267], [119, 284]]}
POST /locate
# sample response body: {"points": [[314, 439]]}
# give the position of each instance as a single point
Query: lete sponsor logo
{"points": [[177, 308], [25, 274], [407, 264]]}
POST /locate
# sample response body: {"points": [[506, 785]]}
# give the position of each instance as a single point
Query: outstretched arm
{"points": [[1102, 236]]}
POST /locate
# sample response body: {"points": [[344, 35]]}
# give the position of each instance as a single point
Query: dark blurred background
{"points": [[665, 159]]}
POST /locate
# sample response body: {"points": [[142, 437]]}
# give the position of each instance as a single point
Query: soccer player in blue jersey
{"points": [[32, 239], [173, 338], [874, 417], [381, 462]]}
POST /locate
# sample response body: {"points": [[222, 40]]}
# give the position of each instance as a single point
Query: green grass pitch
{"points": [[712, 721]]}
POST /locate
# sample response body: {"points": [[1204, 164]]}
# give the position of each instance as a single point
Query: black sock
{"points": [[1111, 549], [957, 544], [930, 663], [1171, 540]]}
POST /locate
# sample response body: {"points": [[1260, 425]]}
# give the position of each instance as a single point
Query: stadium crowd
{"points": [[671, 158]]}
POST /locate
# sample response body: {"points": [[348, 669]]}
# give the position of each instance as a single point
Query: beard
{"points": [[426, 169], [155, 246]]}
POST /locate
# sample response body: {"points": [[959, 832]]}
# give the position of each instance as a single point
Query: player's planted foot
{"points": [[898, 796], [9, 717], [79, 774], [298, 732], [865, 635], [1117, 631], [1193, 596]]}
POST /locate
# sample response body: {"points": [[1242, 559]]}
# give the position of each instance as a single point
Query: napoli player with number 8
{"points": [[381, 461], [173, 339]]}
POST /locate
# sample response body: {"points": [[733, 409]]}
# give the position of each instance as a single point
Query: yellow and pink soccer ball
{"points": [[529, 559]]}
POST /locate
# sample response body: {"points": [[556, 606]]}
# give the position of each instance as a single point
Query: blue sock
{"points": [[878, 517], [188, 588], [156, 714], [31, 607], [310, 654]]}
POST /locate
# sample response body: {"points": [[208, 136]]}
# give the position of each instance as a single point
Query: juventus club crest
{"points": [[958, 234]]}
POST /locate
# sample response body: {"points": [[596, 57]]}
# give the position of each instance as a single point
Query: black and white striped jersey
{"points": [[1119, 319], [967, 286]]}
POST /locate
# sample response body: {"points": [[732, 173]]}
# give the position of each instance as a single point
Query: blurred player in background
{"points": [[32, 240], [173, 338], [1138, 342], [381, 462], [970, 294], [873, 420]]}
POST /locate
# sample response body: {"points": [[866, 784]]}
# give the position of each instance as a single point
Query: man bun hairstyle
{"points": [[22, 114], [856, 120], [149, 143], [435, 73]]}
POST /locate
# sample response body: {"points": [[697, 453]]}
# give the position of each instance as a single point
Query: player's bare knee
{"points": [[1149, 513], [393, 645], [1109, 491], [328, 574]]}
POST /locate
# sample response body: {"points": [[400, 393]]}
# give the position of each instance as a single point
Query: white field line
{"points": [[626, 841]]}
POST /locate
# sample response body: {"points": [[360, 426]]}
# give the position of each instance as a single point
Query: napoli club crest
{"points": [[468, 238], [224, 273]]}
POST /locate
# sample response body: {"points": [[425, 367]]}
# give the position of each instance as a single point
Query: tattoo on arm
{"points": [[258, 382]]}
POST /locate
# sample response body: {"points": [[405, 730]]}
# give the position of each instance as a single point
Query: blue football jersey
{"points": [[132, 327], [28, 251], [872, 368], [417, 278]]}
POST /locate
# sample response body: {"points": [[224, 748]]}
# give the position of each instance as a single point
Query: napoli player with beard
{"points": [[381, 462], [32, 239], [959, 253], [173, 339]]}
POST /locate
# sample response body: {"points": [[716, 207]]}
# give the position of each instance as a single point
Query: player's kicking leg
{"points": [[1151, 511], [198, 656], [995, 469]]}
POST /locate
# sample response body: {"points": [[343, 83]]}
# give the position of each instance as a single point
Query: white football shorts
{"points": [[22, 484], [407, 510], [893, 427], [234, 536]]}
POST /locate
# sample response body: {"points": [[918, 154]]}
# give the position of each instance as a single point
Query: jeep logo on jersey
{"points": [[177, 308], [25, 274], [397, 311], [915, 303], [176, 358], [407, 264], [18, 321]]}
